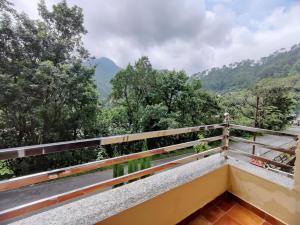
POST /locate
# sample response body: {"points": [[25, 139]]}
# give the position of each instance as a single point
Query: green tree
{"points": [[47, 95], [145, 162], [118, 171], [202, 146], [276, 106], [245, 74], [157, 100], [130, 87], [133, 166], [169, 88]]}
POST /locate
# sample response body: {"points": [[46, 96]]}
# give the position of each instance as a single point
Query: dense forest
{"points": [[105, 70], [240, 75], [48, 93], [275, 79]]}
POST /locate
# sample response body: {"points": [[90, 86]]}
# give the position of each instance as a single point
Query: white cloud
{"points": [[280, 29], [174, 34], [188, 34]]}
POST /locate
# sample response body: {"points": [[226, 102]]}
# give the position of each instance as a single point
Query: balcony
{"points": [[222, 185]]}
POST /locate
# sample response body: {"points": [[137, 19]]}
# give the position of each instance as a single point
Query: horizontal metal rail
{"points": [[50, 201], [34, 150], [42, 149], [281, 172], [236, 151], [254, 129], [279, 149], [63, 172]]}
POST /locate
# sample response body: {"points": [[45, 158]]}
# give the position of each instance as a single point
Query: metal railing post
{"points": [[225, 141], [297, 167]]}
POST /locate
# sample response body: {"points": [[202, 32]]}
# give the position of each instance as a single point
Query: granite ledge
{"points": [[99, 206], [273, 177]]}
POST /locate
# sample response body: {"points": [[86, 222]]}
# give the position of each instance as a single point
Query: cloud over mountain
{"points": [[191, 34]]}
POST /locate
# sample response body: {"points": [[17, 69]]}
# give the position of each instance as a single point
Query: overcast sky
{"points": [[185, 34]]}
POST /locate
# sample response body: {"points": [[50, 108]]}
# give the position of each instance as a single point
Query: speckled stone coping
{"points": [[97, 207], [273, 177]]}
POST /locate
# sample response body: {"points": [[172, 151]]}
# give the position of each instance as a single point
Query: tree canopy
{"points": [[240, 75], [48, 92], [156, 100]]}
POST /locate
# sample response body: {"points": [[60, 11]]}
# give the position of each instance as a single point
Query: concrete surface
{"points": [[94, 208], [279, 141], [28, 194], [97, 207], [13, 198]]}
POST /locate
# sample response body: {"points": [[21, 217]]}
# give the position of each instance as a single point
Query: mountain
{"points": [[239, 75], [106, 69]]}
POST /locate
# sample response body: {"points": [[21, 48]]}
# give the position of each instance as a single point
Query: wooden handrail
{"points": [[254, 129], [260, 158], [279, 149], [33, 150], [68, 171], [50, 201]]}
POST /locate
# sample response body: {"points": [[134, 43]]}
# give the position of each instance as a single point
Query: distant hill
{"points": [[246, 73], [106, 69]]}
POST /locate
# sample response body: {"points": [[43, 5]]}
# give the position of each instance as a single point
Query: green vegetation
{"points": [[140, 164], [105, 70], [133, 166], [118, 171], [241, 75], [275, 108], [48, 93], [202, 146], [173, 153], [274, 79], [152, 100]]}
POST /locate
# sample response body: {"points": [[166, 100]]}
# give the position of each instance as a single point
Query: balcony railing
{"points": [[43, 149]]}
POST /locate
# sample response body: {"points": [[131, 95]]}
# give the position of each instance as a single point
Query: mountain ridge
{"points": [[246, 73], [105, 70]]}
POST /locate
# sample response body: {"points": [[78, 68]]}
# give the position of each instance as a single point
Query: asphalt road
{"points": [[279, 141], [9, 199], [32, 193]]}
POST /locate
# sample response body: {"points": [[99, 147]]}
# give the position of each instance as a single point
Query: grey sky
{"points": [[185, 34]]}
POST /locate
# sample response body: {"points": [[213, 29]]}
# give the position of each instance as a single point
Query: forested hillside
{"points": [[246, 73], [48, 92], [105, 70]]}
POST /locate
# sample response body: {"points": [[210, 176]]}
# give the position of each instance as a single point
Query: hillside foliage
{"points": [[105, 70], [246, 73], [48, 93]]}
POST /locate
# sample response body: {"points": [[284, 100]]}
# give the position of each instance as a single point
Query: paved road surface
{"points": [[27, 194], [279, 141]]}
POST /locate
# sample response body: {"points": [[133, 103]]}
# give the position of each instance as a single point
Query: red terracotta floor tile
{"points": [[266, 223], [226, 220], [199, 221], [230, 211], [251, 208], [244, 216], [212, 214], [226, 204]]}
